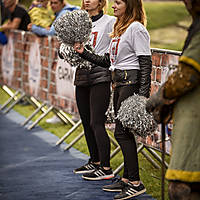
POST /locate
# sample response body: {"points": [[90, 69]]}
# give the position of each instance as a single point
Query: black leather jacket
{"points": [[140, 77], [84, 77], [97, 74]]}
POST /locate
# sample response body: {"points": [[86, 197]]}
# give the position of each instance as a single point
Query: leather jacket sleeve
{"points": [[103, 61], [145, 75]]}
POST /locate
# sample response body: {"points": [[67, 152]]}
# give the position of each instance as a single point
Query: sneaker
{"points": [[99, 174], [87, 168], [117, 186], [130, 191], [53, 120]]}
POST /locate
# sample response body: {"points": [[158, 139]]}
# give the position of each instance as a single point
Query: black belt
{"points": [[125, 77]]}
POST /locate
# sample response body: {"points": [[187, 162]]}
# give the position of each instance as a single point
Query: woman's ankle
{"points": [[96, 163], [106, 168], [136, 183], [125, 180]]}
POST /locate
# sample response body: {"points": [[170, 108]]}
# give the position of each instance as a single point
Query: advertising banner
{"points": [[65, 80], [34, 69], [7, 61]]}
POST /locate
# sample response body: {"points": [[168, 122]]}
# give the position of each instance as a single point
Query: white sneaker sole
{"points": [[110, 190], [99, 178], [134, 195], [83, 172]]}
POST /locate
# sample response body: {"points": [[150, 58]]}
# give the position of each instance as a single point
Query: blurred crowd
{"points": [[38, 18]]}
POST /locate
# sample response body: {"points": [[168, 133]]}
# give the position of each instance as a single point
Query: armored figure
{"points": [[180, 97]]}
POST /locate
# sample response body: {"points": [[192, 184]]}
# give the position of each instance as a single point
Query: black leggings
{"points": [[92, 102], [123, 136]]}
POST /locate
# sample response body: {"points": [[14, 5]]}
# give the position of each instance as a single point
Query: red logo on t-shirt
{"points": [[114, 49], [93, 38]]}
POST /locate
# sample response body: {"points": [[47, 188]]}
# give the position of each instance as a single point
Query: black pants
{"points": [[123, 136], [92, 102]]}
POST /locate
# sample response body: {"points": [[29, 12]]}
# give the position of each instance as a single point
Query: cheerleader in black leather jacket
{"points": [[93, 95]]}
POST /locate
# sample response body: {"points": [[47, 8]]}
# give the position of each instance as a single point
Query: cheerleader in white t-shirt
{"points": [[93, 95], [129, 58]]}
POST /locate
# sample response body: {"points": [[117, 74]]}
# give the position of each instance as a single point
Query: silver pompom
{"points": [[72, 27], [73, 58], [75, 26], [133, 115]]}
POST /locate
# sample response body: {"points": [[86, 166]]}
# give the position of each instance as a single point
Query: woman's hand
{"points": [[79, 47]]}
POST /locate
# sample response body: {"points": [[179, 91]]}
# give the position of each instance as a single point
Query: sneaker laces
{"points": [[88, 165], [116, 180], [100, 168], [126, 188], [90, 162]]}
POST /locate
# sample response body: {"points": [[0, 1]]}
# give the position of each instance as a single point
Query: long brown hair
{"points": [[134, 12], [103, 4]]}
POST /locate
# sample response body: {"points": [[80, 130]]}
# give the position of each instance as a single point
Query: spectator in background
{"points": [[59, 8], [19, 16], [5, 16], [41, 14], [19, 19], [34, 4]]}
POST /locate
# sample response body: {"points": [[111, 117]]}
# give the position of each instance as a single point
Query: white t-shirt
{"points": [[100, 34], [124, 50]]}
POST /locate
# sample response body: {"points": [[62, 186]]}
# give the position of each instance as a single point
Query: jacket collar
{"points": [[96, 17]]}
